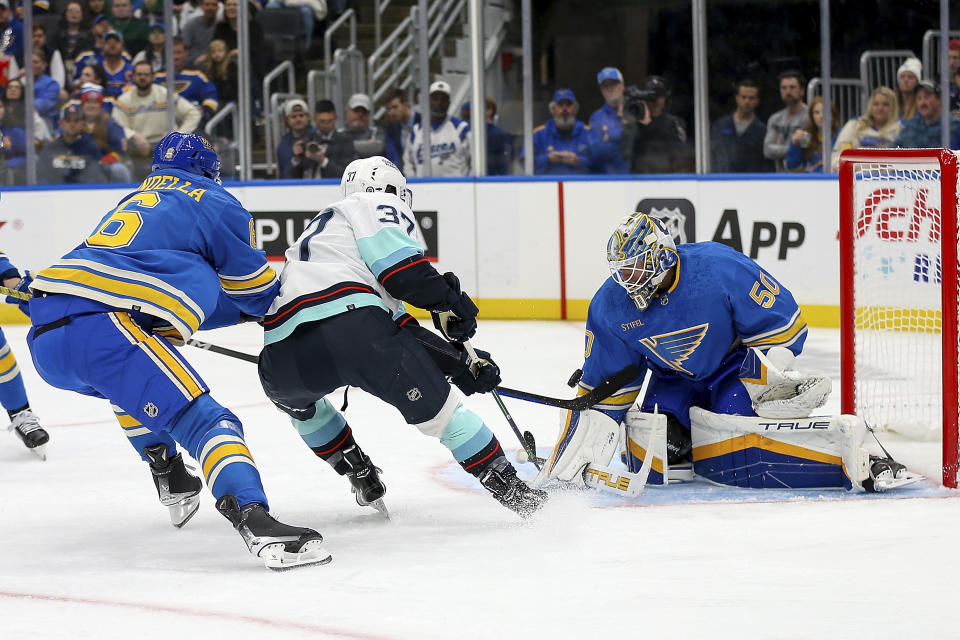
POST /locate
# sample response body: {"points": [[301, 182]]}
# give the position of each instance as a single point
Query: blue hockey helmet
{"points": [[640, 254], [188, 152]]}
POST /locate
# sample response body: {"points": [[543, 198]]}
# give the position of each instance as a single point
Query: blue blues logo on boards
{"points": [[677, 214]]}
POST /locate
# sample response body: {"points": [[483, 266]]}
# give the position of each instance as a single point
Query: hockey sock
{"points": [[470, 441], [227, 465], [12, 392], [326, 433], [140, 437], [332, 451]]}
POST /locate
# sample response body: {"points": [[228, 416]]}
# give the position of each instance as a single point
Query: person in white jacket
{"points": [[449, 139]]}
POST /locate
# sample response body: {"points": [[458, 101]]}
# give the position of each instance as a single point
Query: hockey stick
{"points": [[206, 346], [13, 293], [598, 394], [528, 447]]}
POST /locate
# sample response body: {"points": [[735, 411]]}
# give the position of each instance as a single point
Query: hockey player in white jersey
{"points": [[339, 320]]}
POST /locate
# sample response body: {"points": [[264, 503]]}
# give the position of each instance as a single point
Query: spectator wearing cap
{"points": [[368, 139], [155, 51], [400, 118], [736, 139], [142, 112], [192, 84], [105, 132], [923, 130], [110, 46], [72, 157], [11, 30], [328, 153], [292, 146], [449, 140], [654, 141], [499, 142], [606, 125], [135, 31], [908, 75], [199, 30], [562, 145]]}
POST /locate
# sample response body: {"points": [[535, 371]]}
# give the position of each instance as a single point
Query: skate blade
{"points": [[311, 553], [905, 478], [181, 512], [380, 507], [40, 451]]}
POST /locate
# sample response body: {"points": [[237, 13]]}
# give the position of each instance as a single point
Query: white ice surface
{"points": [[87, 551]]}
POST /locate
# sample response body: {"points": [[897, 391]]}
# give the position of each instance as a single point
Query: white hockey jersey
{"points": [[449, 145], [336, 262]]}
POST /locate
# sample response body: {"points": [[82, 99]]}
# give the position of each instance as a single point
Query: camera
{"points": [[313, 146], [634, 97]]}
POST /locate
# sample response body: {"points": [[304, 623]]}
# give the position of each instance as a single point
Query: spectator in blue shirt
{"points": [[561, 145], [499, 142], [923, 130], [46, 90], [736, 141], [72, 157], [606, 125]]}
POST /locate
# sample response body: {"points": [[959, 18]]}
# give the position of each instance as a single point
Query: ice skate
{"points": [[27, 427], [886, 474], [365, 480], [177, 488], [500, 479], [280, 546]]}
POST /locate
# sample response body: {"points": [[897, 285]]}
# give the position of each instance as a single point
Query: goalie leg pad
{"points": [[639, 426], [761, 453], [585, 437]]}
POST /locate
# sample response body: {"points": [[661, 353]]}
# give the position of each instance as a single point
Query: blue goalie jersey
{"points": [[169, 250], [721, 303]]}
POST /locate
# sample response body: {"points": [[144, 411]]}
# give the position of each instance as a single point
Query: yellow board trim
{"points": [[755, 440], [222, 452]]}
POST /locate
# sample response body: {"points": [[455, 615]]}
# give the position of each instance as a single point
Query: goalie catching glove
{"points": [[457, 318], [778, 392]]}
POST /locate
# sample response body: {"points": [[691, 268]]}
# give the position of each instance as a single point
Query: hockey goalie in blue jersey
{"points": [[717, 335], [175, 255]]}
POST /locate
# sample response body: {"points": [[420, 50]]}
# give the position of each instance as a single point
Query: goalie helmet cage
{"points": [[898, 293]]}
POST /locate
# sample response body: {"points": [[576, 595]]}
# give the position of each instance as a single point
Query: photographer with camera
{"points": [[328, 152], [653, 141], [562, 145], [606, 125], [291, 150]]}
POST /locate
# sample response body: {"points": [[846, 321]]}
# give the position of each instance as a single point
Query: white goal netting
{"points": [[897, 278]]}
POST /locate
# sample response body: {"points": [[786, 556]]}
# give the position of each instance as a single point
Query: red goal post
{"points": [[899, 292]]}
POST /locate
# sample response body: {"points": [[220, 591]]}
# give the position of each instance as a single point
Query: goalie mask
{"points": [[376, 173], [640, 253]]}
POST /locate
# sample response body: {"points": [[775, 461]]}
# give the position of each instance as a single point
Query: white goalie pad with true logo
{"points": [[647, 437], [586, 437]]}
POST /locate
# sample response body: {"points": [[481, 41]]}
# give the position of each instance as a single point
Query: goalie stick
{"points": [[598, 394]]}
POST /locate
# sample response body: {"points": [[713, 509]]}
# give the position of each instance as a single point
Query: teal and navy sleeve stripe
{"points": [[386, 248]]}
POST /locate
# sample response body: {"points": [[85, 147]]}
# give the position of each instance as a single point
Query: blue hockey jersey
{"points": [[168, 250], [721, 301]]}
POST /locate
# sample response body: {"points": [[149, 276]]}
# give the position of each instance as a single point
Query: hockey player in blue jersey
{"points": [[13, 395], [718, 335], [340, 320], [157, 268]]}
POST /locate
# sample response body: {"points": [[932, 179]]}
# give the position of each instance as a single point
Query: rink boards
{"points": [[527, 248]]}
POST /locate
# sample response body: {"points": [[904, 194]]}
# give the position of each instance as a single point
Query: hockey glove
{"points": [[480, 376], [458, 321], [23, 286]]}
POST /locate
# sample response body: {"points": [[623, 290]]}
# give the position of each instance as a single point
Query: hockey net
{"points": [[899, 296]]}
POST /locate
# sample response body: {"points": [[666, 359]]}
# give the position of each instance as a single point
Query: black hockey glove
{"points": [[487, 373], [458, 322]]}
